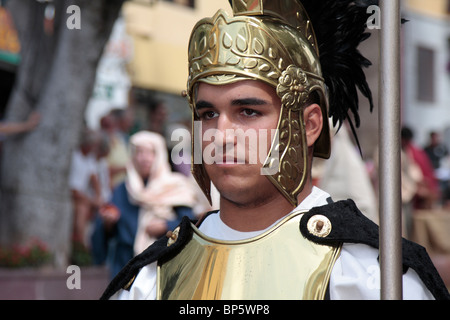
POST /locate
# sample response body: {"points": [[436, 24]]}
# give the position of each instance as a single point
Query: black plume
{"points": [[340, 27]]}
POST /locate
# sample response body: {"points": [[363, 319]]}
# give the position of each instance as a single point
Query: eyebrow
{"points": [[202, 104], [249, 102]]}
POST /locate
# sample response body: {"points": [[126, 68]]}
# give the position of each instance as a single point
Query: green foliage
{"points": [[81, 256]]}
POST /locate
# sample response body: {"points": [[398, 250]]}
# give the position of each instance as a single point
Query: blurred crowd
{"points": [[425, 176], [426, 191], [126, 192]]}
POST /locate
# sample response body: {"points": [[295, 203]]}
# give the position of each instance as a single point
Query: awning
{"points": [[9, 41]]}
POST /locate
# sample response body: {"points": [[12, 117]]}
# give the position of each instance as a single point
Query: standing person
{"points": [[412, 183], [157, 116], [103, 173], [124, 119], [151, 201], [345, 176], [436, 150], [429, 191], [275, 235], [84, 184], [118, 122]]}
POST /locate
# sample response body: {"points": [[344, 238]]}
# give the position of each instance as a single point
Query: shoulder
{"points": [[141, 287], [349, 226], [356, 276], [161, 250]]}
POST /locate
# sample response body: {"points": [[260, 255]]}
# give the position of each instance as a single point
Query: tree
{"points": [[55, 78]]}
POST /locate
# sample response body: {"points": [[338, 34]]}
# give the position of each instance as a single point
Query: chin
{"points": [[245, 193], [238, 182]]}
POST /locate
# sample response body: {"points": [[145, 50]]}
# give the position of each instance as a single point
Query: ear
{"points": [[313, 118]]}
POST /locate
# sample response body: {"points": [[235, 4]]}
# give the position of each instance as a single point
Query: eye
{"points": [[208, 115], [250, 112]]}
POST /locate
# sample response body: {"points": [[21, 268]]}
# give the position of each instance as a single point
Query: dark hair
{"points": [[313, 98], [407, 133]]}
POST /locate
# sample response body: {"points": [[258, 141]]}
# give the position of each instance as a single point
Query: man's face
{"points": [[249, 107], [143, 158]]}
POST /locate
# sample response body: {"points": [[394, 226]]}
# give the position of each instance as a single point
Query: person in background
{"points": [[157, 116], [436, 150], [84, 185], [151, 201], [428, 192], [117, 123], [344, 174], [101, 154]]}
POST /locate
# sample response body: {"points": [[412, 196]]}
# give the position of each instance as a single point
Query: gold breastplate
{"points": [[278, 264]]}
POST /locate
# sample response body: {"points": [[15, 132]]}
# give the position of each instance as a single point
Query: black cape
{"points": [[349, 226]]}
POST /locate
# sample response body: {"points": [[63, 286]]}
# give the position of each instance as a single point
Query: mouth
{"points": [[231, 160]]}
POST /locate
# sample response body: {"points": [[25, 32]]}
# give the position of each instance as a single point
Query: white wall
{"points": [[423, 117]]}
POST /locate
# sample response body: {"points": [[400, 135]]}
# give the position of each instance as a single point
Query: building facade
{"points": [[426, 68]]}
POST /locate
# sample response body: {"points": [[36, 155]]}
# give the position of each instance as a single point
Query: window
{"points": [[425, 74]]}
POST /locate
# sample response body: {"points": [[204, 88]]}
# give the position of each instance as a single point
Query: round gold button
{"points": [[319, 226], [173, 236]]}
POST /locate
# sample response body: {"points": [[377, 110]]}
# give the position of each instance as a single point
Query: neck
{"points": [[256, 217]]}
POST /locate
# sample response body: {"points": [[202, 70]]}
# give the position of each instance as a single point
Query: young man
{"points": [[275, 236]]}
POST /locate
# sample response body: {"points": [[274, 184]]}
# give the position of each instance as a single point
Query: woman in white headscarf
{"points": [[154, 187], [151, 201]]}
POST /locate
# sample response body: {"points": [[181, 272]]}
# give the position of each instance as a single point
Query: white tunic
{"points": [[355, 276]]}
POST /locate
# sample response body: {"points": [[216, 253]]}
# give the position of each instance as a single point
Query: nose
{"points": [[226, 128]]}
